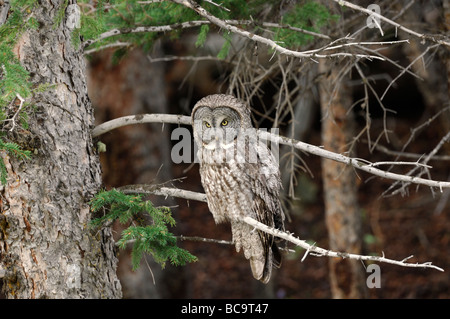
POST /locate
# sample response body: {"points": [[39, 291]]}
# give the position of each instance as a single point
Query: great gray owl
{"points": [[240, 177]]}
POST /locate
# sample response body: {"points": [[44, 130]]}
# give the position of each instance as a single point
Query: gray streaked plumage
{"points": [[240, 177]]}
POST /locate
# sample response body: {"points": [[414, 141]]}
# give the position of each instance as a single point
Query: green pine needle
{"points": [[154, 239], [13, 150], [201, 39]]}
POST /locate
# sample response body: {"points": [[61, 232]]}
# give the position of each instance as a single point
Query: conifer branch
{"points": [[257, 38], [193, 24], [232, 26], [154, 239], [164, 28]]}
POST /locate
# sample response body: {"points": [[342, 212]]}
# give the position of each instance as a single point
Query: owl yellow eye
{"points": [[224, 123], [207, 124]]}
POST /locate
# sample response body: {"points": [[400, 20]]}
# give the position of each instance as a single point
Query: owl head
{"points": [[218, 120]]}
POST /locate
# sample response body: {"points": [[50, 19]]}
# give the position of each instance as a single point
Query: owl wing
{"points": [[266, 208], [268, 187]]}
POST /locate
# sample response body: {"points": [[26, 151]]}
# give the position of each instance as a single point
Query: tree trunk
{"points": [[339, 182], [47, 246]]}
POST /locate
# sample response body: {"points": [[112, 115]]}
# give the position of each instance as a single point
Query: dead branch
{"points": [[140, 119], [310, 249], [162, 191], [393, 23], [363, 165], [317, 251], [164, 28]]}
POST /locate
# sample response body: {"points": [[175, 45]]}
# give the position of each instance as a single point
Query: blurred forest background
{"points": [[282, 91]]}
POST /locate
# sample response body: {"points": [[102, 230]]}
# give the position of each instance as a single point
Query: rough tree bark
{"points": [[47, 247], [339, 183]]}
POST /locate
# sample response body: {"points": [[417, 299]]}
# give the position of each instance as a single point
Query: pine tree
{"points": [[47, 248]]}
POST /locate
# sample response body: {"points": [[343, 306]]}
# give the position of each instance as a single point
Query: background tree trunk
{"points": [[342, 214], [47, 246]]}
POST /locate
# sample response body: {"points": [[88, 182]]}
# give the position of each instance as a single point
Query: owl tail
{"points": [[259, 249], [262, 267]]}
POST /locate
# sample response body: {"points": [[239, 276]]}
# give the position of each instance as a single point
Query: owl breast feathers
{"points": [[241, 178]]}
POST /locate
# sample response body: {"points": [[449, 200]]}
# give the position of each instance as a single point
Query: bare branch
{"points": [[310, 249], [427, 158], [425, 124], [380, 103], [162, 191], [193, 24], [20, 100], [217, 5], [406, 68], [140, 119], [331, 45], [220, 241], [117, 44], [417, 164], [186, 238], [361, 165], [317, 251], [315, 150], [164, 28], [205, 240], [393, 23], [410, 155], [188, 58], [279, 26], [150, 2]]}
